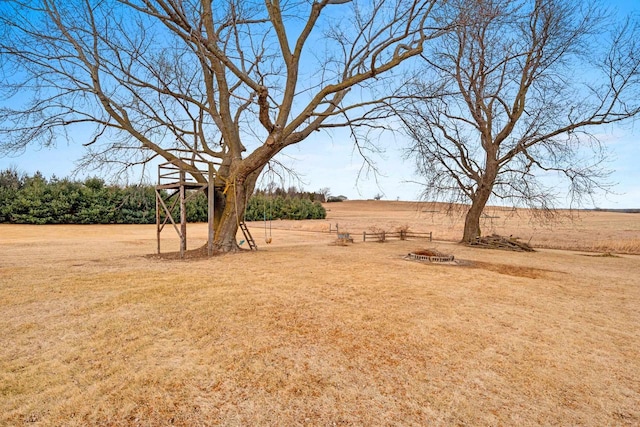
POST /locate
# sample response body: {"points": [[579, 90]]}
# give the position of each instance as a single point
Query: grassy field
{"points": [[95, 331]]}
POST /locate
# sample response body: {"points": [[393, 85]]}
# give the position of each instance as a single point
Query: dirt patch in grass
{"points": [[604, 255], [510, 270], [192, 254]]}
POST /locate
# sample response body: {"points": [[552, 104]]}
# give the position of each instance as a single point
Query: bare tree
{"points": [[234, 81], [324, 193], [521, 86]]}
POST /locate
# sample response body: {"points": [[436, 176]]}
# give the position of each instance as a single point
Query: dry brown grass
{"points": [[305, 332]]}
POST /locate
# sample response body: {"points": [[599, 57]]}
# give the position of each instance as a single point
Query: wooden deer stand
{"points": [[178, 182]]}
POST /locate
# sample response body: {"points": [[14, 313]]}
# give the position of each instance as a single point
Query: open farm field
{"points": [[594, 231], [307, 332]]}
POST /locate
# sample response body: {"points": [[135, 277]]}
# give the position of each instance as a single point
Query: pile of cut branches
{"points": [[495, 241]]}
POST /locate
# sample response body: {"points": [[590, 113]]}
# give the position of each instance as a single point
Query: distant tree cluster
{"points": [[289, 204], [37, 200], [294, 193], [334, 199]]}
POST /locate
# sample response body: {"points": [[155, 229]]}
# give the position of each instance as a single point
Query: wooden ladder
{"points": [[248, 237]]}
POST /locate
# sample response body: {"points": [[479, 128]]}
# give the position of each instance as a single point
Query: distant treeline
{"points": [[268, 207], [616, 210], [278, 203], [37, 200]]}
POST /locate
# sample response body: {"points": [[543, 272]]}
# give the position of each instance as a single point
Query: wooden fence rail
{"points": [[402, 235]]}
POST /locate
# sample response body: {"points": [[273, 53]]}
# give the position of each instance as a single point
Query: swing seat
{"points": [[267, 239]]}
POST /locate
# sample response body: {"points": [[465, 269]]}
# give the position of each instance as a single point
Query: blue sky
{"points": [[329, 160]]}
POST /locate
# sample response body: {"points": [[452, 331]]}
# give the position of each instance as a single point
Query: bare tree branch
{"points": [[232, 82], [523, 84]]}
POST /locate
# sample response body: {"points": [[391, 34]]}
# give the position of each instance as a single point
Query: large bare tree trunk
{"points": [[472, 219], [231, 216], [230, 213]]}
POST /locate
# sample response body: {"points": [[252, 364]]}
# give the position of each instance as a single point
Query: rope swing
{"points": [[267, 238]]}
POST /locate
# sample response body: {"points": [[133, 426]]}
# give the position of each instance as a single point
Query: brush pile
{"points": [[495, 241]]}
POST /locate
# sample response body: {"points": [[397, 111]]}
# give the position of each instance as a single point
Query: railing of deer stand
{"points": [[170, 173]]}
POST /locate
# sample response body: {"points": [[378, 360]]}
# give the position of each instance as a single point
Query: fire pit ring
{"points": [[429, 255]]}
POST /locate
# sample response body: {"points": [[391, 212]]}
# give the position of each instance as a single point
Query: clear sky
{"points": [[329, 160]]}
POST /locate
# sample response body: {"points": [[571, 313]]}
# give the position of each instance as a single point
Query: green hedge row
{"points": [[36, 200], [264, 207]]}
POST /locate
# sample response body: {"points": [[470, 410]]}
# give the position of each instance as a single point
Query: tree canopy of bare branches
{"points": [[233, 81], [513, 95]]}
